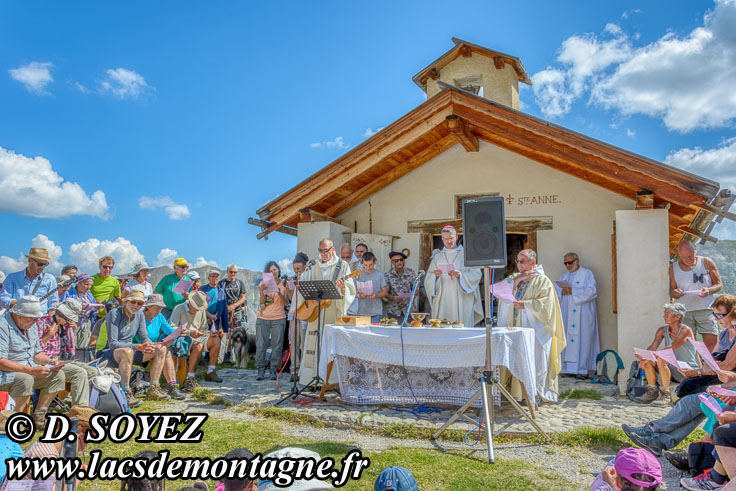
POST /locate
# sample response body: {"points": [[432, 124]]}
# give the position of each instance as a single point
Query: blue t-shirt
{"points": [[8, 449], [157, 329], [369, 306]]}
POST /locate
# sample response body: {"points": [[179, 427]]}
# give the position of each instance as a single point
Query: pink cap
{"points": [[631, 461], [449, 227]]}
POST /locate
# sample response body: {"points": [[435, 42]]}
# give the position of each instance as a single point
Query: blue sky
{"points": [[144, 128]]}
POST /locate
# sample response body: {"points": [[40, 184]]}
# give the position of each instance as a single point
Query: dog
{"points": [[244, 346]]}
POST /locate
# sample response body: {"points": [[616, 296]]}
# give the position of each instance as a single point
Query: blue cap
{"points": [[395, 478]]}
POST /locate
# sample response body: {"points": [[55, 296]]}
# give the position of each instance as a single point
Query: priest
{"points": [[328, 267], [577, 292], [452, 288], [536, 306]]}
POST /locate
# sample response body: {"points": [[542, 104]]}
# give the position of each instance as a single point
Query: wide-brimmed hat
{"points": [[28, 306], [155, 300], [193, 275], [299, 485], [197, 300], [70, 308], [135, 295], [38, 253], [140, 267], [83, 413], [62, 279], [4, 416]]}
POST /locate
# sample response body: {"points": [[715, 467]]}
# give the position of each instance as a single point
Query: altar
{"points": [[443, 365]]}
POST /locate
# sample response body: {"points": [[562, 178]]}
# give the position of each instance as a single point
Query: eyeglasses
{"points": [[568, 263], [41, 263], [107, 267], [397, 260], [718, 316], [182, 267], [232, 272], [322, 251]]}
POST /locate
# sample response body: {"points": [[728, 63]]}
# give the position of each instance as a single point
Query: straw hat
{"points": [[84, 413], [135, 295], [38, 253], [70, 308], [197, 300], [27, 306]]}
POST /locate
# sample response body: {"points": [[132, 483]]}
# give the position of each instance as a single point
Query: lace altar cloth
{"points": [[443, 365]]}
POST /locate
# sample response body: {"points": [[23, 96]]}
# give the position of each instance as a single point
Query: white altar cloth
{"points": [[443, 364]]}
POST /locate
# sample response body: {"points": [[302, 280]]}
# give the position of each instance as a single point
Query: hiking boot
{"points": [[648, 443], [637, 430], [703, 481], [174, 392], [212, 377], [261, 374], [156, 393], [678, 460], [39, 418], [274, 374], [133, 402], [189, 385], [665, 394]]}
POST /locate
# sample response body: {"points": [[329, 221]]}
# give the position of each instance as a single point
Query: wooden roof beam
{"points": [[268, 227], [498, 62], [309, 215], [462, 133]]}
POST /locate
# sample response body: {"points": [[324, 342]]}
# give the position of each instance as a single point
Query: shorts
{"points": [[109, 356], [701, 321], [725, 435]]}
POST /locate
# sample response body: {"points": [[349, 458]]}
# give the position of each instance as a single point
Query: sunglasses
{"points": [[41, 263], [397, 260], [719, 316], [107, 267], [136, 302], [322, 251], [568, 263], [182, 267]]}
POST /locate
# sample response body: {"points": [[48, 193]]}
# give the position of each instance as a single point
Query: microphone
{"points": [[311, 263]]}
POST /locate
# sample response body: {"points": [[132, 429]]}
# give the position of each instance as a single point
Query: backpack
{"points": [[636, 386], [113, 403], [607, 366]]}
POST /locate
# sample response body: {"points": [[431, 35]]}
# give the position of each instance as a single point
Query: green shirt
{"points": [[104, 289], [166, 288]]}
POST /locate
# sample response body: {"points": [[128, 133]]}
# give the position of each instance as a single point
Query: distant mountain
{"points": [[724, 254]]}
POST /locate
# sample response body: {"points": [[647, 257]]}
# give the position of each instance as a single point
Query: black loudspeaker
{"points": [[484, 232]]}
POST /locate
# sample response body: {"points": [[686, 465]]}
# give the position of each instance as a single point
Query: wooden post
{"points": [[614, 273]]}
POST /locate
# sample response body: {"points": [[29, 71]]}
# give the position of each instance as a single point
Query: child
{"points": [[633, 469]]}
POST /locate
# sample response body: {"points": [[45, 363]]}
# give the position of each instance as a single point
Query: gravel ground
{"points": [[575, 465]]}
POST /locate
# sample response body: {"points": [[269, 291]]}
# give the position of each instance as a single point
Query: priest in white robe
{"points": [[452, 288], [580, 316], [536, 306], [324, 269]]}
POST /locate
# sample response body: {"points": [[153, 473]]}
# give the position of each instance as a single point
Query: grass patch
{"points": [[581, 394], [432, 468], [287, 416], [206, 395]]}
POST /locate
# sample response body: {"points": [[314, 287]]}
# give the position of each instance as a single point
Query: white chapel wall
{"points": [[582, 213]]}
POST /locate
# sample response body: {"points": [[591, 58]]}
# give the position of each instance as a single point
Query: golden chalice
{"points": [[418, 316]]}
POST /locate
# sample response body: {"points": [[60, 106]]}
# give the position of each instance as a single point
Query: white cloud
{"points": [[286, 266], [627, 13], [369, 132], [714, 163], [87, 254], [201, 262], [336, 143], [173, 210], [82, 88], [30, 186], [123, 83], [166, 257], [34, 76], [686, 81], [630, 133], [10, 265]]}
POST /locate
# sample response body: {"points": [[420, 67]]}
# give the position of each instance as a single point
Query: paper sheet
{"points": [[93, 306], [270, 283], [364, 287], [291, 284], [645, 354], [705, 354], [711, 402], [446, 267], [691, 292], [563, 284], [177, 332], [56, 367], [503, 291], [720, 391], [183, 286], [31, 485], [404, 296], [669, 356]]}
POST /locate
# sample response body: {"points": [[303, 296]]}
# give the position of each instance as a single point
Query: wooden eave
{"points": [[462, 47], [426, 132]]}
